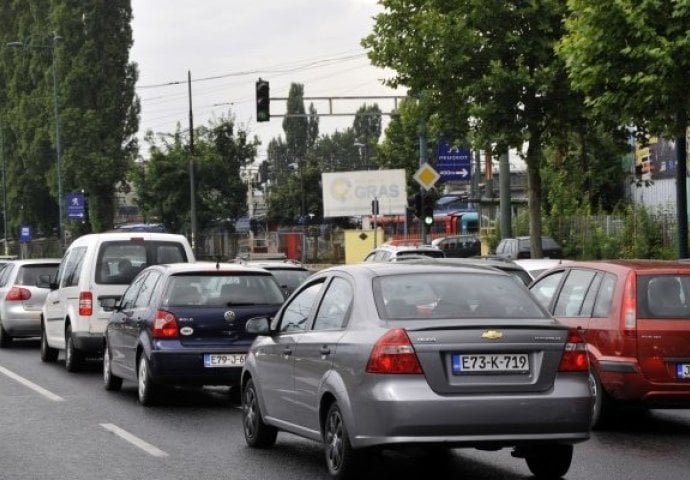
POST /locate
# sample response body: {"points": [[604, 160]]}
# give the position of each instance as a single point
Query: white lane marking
{"points": [[31, 385], [136, 441]]}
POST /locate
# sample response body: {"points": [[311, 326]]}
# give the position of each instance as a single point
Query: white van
{"points": [[96, 267]]}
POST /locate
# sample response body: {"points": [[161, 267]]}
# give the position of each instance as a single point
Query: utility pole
{"points": [[192, 166], [504, 192], [422, 192], [4, 188]]}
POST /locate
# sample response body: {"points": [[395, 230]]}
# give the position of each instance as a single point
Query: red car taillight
{"points": [[165, 325], [85, 304], [393, 353], [574, 357], [17, 294], [629, 306]]}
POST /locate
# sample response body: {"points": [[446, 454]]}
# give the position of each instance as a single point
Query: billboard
{"points": [[657, 159], [348, 194]]}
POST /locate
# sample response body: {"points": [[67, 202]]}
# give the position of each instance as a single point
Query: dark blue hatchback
{"points": [[183, 324]]}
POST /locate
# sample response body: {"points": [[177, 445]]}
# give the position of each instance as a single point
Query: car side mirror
{"points": [[258, 326], [110, 304]]}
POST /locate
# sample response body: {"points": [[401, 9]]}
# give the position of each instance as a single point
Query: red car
{"points": [[635, 317]]}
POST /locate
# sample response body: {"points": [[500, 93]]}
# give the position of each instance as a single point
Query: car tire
{"points": [[74, 358], [5, 338], [550, 462], [603, 405], [342, 461], [256, 433], [111, 382], [48, 353], [147, 389]]}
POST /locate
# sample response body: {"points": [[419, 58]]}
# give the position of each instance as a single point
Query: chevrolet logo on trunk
{"points": [[492, 335]]}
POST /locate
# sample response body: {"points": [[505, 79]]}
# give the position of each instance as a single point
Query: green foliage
{"points": [[631, 59], [162, 182], [96, 101], [489, 64]]}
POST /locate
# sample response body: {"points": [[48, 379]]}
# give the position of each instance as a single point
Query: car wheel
{"points": [[147, 389], [110, 382], [256, 433], [603, 405], [5, 338], [550, 462], [73, 357], [342, 460], [48, 353]]}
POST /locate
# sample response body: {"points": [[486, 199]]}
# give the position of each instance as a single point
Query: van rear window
{"points": [[120, 261]]}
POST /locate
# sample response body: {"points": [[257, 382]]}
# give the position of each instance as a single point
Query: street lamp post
{"points": [[58, 145], [4, 188]]}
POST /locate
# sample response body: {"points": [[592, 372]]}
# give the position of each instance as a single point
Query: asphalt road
{"points": [[57, 425]]}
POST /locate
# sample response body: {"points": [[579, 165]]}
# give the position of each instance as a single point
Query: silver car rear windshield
{"points": [[450, 295], [222, 290]]}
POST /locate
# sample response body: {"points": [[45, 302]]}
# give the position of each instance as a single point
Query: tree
{"points": [[631, 59], [97, 104], [221, 151], [367, 128], [489, 61], [300, 134], [101, 109]]}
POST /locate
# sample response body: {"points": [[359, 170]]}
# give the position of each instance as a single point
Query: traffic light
{"points": [[263, 101], [414, 203], [429, 204]]}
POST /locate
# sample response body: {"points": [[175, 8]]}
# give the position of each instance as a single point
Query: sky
{"points": [[226, 45]]}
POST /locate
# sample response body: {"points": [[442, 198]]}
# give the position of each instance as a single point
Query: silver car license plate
{"points": [[490, 363], [224, 359]]}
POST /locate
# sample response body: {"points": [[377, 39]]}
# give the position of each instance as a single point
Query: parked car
{"points": [[635, 317], [98, 267], [382, 355], [537, 266], [183, 324], [21, 298], [384, 253], [288, 273], [459, 246], [519, 247], [503, 264]]}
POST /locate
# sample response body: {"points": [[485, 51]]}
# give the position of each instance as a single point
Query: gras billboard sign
{"points": [[348, 194]]}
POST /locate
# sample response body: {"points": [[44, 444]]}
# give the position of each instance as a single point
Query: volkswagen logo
{"points": [[230, 316]]}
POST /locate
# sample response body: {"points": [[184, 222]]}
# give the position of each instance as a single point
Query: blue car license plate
{"points": [[683, 370], [490, 363]]}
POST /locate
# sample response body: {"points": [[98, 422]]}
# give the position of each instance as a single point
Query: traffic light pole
{"points": [[422, 192]]}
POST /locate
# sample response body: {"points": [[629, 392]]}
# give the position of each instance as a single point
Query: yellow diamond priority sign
{"points": [[426, 176]]}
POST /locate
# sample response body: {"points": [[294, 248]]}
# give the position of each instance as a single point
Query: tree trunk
{"points": [[681, 180]]}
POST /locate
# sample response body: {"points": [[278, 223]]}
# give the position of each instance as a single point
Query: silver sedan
{"points": [[373, 356]]}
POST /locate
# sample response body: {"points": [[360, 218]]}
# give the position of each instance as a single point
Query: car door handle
{"points": [[287, 351], [55, 302], [325, 350]]}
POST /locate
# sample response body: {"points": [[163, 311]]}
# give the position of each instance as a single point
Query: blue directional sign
{"points": [[75, 206], [453, 163], [24, 233]]}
